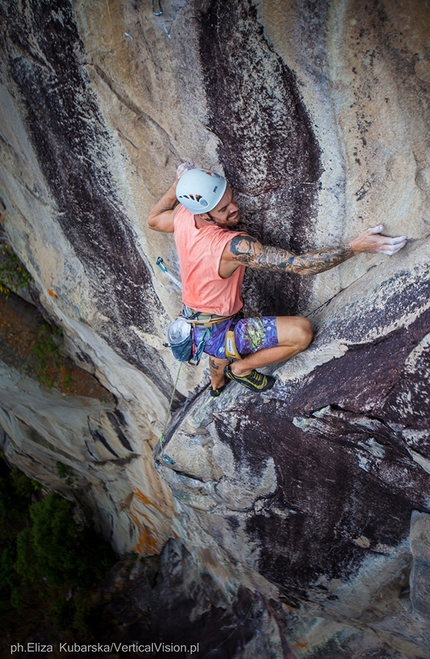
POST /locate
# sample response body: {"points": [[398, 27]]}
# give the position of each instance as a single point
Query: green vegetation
{"points": [[67, 473], [46, 348], [13, 274], [46, 351], [49, 565]]}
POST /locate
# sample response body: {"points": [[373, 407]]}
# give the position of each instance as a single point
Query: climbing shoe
{"points": [[255, 381], [217, 392]]}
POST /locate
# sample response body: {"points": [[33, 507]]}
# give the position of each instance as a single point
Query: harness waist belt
{"points": [[201, 319]]}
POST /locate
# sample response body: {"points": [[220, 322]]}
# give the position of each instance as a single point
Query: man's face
{"points": [[226, 213]]}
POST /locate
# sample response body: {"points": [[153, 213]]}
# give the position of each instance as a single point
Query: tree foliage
{"points": [[49, 564], [56, 548], [13, 273]]}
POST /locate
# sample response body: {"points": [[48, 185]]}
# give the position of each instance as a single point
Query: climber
{"points": [[213, 256]]}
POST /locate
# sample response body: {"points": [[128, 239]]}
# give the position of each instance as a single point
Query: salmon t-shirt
{"points": [[200, 251]]}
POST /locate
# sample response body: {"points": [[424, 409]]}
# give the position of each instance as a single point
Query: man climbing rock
{"points": [[213, 257]]}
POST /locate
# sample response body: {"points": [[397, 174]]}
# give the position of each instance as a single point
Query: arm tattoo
{"points": [[253, 254], [244, 249]]}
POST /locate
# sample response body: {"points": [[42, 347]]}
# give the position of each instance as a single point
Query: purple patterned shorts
{"points": [[251, 334]]}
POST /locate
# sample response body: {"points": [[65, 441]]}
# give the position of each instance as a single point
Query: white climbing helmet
{"points": [[200, 190]]}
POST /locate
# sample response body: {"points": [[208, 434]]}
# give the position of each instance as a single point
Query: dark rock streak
{"points": [[46, 61], [267, 144]]}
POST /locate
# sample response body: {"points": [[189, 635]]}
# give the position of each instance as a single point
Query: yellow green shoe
{"points": [[254, 381]]}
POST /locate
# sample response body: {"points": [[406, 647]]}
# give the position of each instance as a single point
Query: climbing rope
{"points": [[170, 406]]}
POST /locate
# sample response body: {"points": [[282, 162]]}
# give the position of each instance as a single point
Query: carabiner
{"points": [[160, 9]]}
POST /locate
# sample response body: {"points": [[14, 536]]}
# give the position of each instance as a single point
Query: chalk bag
{"points": [[180, 337]]}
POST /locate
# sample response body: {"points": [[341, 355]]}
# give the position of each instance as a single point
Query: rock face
{"points": [[316, 496]]}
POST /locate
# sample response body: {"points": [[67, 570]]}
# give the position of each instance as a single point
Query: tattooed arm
{"points": [[245, 250]]}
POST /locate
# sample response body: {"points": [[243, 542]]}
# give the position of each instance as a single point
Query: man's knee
{"points": [[305, 333], [295, 331]]}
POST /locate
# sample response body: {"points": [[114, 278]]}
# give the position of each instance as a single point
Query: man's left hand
{"points": [[372, 241]]}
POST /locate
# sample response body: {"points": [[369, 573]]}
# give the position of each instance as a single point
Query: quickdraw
{"points": [[160, 10]]}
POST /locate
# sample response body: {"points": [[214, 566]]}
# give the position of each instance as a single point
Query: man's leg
{"points": [[294, 335], [216, 369]]}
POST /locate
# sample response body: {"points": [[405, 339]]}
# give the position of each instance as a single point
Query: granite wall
{"points": [[314, 497]]}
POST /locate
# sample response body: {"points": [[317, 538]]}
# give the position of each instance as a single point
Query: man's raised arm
{"points": [[245, 250], [161, 216]]}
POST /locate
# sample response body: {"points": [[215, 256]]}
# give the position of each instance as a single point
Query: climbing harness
{"points": [[230, 349], [181, 335], [181, 339], [201, 319], [160, 10]]}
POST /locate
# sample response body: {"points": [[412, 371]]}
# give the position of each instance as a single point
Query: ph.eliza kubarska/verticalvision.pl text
{"points": [[104, 647]]}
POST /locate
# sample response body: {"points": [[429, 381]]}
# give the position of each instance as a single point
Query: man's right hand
{"points": [[184, 167], [372, 241]]}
